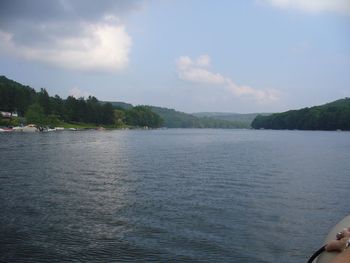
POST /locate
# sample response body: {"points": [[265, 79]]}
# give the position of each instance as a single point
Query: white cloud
{"points": [[102, 46], [313, 6], [78, 93], [198, 71], [203, 60]]}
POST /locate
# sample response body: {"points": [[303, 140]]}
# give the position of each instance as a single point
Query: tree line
{"points": [[41, 109], [331, 116], [176, 119]]}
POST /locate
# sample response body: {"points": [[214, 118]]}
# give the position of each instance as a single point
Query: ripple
{"points": [[170, 196]]}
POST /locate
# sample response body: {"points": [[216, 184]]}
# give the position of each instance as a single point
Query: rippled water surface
{"points": [[170, 195]]}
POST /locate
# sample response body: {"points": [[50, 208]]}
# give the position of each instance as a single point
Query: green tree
{"points": [[53, 120], [71, 106], [44, 101], [35, 115], [143, 116], [119, 117], [92, 110], [57, 107], [107, 114]]}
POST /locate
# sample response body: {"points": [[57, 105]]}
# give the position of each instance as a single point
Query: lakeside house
{"points": [[8, 115]]}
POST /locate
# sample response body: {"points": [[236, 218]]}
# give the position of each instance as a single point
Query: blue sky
{"points": [[223, 56]]}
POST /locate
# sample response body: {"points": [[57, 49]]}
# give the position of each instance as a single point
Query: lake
{"points": [[176, 195]]}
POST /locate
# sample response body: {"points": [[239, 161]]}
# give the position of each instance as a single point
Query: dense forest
{"points": [[330, 116], [41, 109], [176, 119]]}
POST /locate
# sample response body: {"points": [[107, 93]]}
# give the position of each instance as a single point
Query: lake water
{"points": [[177, 195]]}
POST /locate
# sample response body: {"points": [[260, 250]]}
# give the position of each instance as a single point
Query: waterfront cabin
{"points": [[8, 115]]}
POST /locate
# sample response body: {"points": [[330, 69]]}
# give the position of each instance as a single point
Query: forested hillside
{"points": [[41, 109], [330, 116], [15, 96], [119, 104], [243, 118], [176, 119]]}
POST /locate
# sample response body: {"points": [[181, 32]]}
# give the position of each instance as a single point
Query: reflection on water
{"points": [[170, 195]]}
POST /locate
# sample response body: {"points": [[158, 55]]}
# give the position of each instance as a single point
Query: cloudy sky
{"points": [[191, 55]]}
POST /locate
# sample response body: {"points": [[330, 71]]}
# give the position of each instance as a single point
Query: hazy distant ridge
{"points": [[120, 104], [176, 119], [246, 118]]}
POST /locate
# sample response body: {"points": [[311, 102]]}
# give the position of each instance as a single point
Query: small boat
{"points": [[6, 129], [30, 128], [59, 128], [324, 256]]}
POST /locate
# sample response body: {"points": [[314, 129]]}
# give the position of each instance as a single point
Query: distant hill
{"points": [[331, 116], [246, 119], [17, 97], [176, 119], [119, 104]]}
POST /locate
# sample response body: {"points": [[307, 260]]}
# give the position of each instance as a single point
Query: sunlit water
{"points": [[171, 195]]}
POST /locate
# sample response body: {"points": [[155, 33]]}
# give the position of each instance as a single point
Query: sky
{"points": [[240, 56]]}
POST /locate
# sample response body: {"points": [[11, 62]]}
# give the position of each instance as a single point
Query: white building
{"points": [[6, 114]]}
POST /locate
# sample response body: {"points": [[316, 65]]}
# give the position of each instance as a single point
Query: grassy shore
{"points": [[80, 125]]}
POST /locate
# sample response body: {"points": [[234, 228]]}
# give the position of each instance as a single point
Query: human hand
{"points": [[346, 232], [339, 245]]}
